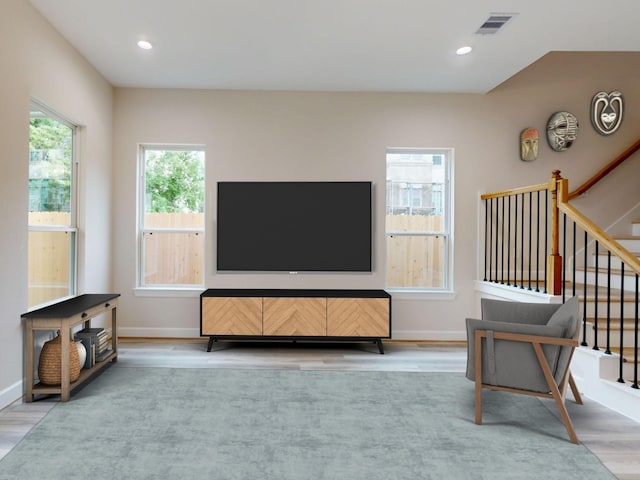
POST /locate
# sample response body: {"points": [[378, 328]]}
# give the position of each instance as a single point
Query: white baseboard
{"points": [[435, 335], [158, 332], [11, 394]]}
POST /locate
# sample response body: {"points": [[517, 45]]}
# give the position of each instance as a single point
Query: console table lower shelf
{"points": [[63, 316], [295, 315]]}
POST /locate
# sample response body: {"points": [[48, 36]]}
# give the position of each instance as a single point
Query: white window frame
{"points": [[164, 290], [72, 228], [447, 196]]}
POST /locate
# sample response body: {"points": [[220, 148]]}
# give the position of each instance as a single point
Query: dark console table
{"points": [[63, 316], [311, 315]]}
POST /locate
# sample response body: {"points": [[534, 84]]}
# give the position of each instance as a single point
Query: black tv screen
{"points": [[294, 226]]}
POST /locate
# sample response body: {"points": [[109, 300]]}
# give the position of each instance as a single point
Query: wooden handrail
{"points": [[605, 170], [596, 232], [515, 191]]}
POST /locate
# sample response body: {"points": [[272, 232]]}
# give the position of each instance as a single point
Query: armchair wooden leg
{"points": [[478, 402], [564, 415], [478, 377], [555, 392], [574, 390]]}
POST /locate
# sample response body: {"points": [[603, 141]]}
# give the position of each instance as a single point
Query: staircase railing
{"points": [[536, 240], [604, 171]]}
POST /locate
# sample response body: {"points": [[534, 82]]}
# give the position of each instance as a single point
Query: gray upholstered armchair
{"points": [[524, 348]]}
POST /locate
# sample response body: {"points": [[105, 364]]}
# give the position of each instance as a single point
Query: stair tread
{"points": [[601, 293], [626, 320], [627, 353], [614, 326], [615, 271]]}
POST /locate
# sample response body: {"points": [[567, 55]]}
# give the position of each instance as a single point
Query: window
{"points": [[418, 219], [52, 220], [171, 217]]}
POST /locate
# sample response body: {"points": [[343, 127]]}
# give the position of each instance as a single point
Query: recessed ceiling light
{"points": [[463, 50], [145, 45]]}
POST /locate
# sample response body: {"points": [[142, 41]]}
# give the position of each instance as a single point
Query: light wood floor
{"points": [[615, 439]]}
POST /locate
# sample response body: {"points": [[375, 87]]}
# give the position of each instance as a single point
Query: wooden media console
{"points": [[310, 315]]}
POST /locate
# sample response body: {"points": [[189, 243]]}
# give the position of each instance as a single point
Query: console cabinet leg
{"points": [[380, 347], [114, 334], [29, 363], [210, 344], [65, 374]]}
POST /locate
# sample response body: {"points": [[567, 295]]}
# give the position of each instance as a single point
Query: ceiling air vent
{"points": [[494, 23]]}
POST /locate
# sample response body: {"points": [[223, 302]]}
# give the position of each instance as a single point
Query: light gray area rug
{"points": [[155, 423]]}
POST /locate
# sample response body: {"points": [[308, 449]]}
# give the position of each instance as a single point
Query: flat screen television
{"points": [[294, 226]]}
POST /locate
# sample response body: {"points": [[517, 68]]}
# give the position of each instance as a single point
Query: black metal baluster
{"points": [[530, 233], [621, 359], [573, 283], [538, 241], [486, 236], [635, 343], [491, 222], [575, 239], [515, 244], [502, 247], [584, 281], [546, 238], [497, 228], [564, 257], [573, 289], [608, 346], [509, 243], [522, 248], [595, 305]]}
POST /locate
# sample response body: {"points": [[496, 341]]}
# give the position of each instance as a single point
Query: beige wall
{"points": [[38, 63], [568, 81], [344, 136]]}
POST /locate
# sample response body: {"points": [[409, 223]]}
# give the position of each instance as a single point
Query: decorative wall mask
{"points": [[606, 112], [529, 144], [562, 130]]}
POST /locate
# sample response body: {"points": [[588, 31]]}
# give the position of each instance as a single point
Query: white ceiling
{"points": [[332, 45]]}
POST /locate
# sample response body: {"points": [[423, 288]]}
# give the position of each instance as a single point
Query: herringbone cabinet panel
{"points": [[231, 316], [358, 317], [304, 317]]}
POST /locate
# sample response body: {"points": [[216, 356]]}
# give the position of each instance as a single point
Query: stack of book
{"points": [[97, 343]]}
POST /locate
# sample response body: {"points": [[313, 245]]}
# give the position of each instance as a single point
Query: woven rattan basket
{"points": [[50, 360]]}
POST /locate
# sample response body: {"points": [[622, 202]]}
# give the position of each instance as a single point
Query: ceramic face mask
{"points": [[562, 130], [606, 112], [529, 144]]}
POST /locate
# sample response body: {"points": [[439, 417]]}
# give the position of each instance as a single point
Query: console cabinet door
{"points": [[302, 317], [358, 317], [231, 316]]}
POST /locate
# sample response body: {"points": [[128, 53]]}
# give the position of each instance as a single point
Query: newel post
{"points": [[554, 262]]}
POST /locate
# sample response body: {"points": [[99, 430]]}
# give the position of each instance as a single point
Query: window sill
{"points": [[434, 295], [168, 292]]}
